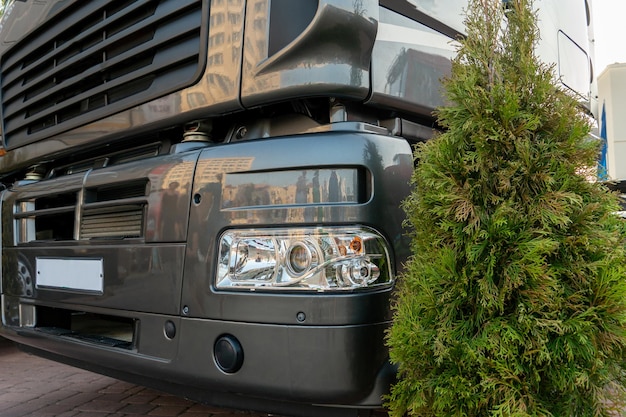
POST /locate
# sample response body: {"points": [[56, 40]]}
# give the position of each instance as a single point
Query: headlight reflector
{"points": [[299, 258], [318, 259]]}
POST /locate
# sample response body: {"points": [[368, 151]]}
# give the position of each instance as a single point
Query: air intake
{"points": [[114, 211], [96, 58]]}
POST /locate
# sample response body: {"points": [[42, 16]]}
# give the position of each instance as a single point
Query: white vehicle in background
{"points": [[612, 104]]}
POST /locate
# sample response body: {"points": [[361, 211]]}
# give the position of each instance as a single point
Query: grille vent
{"points": [[112, 222], [95, 58], [114, 211]]}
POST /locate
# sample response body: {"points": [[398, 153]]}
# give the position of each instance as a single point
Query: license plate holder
{"points": [[70, 274]]}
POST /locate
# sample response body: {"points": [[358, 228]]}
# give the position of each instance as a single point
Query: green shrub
{"points": [[514, 300]]}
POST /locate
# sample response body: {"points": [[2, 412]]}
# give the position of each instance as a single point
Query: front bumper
{"points": [[287, 365]]}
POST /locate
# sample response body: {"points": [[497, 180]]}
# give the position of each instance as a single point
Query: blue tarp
{"points": [[602, 163]]}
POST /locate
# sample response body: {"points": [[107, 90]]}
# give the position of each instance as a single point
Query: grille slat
{"points": [[118, 222], [118, 55]]}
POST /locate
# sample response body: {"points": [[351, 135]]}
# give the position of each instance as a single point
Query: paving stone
{"points": [[54, 411], [80, 398], [137, 409], [101, 406], [141, 398], [169, 400], [23, 409], [167, 410]]}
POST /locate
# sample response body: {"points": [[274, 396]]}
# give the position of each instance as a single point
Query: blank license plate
{"points": [[76, 274]]}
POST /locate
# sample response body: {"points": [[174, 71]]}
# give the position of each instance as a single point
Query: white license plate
{"points": [[78, 274]]}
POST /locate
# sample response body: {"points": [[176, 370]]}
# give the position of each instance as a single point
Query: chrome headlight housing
{"points": [[314, 259]]}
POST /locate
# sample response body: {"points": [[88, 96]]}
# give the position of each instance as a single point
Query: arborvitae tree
{"points": [[514, 300]]}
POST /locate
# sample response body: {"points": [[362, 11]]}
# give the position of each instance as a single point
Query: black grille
{"points": [[95, 58]]}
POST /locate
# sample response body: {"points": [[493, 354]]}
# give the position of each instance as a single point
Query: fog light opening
{"points": [[228, 354]]}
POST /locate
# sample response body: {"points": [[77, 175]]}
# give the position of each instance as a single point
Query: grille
{"points": [[112, 222], [113, 211], [95, 58]]}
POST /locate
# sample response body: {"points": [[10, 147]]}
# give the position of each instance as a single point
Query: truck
{"points": [[204, 197]]}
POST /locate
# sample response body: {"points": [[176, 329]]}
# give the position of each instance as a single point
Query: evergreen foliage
{"points": [[514, 300]]}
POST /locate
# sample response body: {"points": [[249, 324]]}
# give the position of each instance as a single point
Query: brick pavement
{"points": [[36, 387]]}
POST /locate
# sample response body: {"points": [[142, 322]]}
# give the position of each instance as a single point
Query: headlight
{"points": [[319, 259]]}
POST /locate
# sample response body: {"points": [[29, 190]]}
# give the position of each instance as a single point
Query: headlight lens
{"points": [[319, 259]]}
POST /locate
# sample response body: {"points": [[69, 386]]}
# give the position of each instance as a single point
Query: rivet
{"points": [[301, 317]]}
